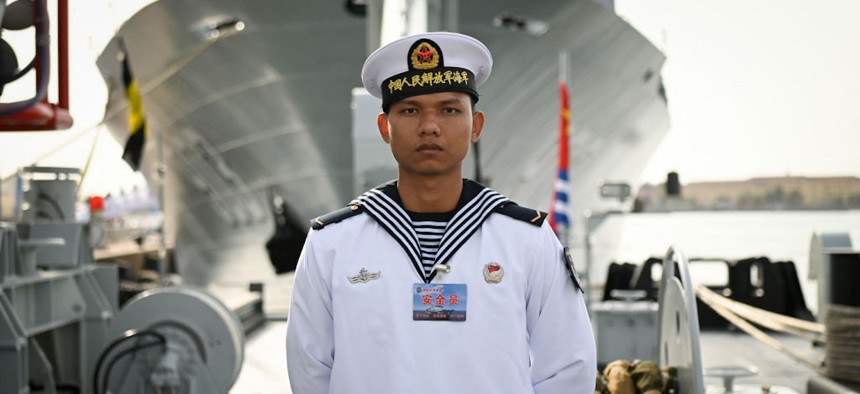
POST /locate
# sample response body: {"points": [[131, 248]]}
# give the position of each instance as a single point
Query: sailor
{"points": [[432, 283]]}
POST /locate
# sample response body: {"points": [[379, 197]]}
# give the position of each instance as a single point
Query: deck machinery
{"points": [[61, 329]]}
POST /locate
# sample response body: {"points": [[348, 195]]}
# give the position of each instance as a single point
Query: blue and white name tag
{"points": [[446, 301]]}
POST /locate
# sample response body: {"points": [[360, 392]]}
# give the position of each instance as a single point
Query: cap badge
{"points": [[424, 56], [364, 276], [493, 272]]}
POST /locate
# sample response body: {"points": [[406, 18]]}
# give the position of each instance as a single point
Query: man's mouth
{"points": [[429, 148]]}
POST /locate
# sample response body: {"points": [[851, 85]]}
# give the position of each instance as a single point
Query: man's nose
{"points": [[429, 125]]}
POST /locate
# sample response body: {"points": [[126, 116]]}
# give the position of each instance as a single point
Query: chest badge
{"points": [[364, 276], [493, 272]]}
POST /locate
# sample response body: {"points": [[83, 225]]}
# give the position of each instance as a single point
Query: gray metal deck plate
{"points": [[736, 348]]}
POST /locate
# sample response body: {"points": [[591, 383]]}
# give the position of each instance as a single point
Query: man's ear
{"points": [[477, 126], [382, 123]]}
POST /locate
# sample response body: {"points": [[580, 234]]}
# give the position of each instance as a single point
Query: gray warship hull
{"points": [[238, 118]]}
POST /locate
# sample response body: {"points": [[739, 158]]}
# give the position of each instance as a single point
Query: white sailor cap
{"points": [[427, 63]]}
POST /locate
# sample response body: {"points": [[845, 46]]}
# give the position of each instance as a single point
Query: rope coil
{"points": [[842, 357]]}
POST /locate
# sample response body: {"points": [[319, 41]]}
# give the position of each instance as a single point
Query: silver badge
{"points": [[493, 272], [364, 276]]}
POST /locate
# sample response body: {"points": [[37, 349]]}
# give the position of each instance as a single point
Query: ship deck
{"points": [[265, 371]]}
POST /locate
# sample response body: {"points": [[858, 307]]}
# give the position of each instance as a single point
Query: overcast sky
{"points": [[756, 87]]}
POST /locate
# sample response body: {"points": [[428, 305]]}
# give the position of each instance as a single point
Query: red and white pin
{"points": [[493, 272]]}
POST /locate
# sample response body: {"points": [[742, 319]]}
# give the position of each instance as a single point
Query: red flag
{"points": [[558, 217]]}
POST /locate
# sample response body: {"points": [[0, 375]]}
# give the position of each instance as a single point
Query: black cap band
{"points": [[415, 82]]}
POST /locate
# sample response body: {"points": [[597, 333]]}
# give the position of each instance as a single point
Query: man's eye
{"points": [[409, 111], [451, 110]]}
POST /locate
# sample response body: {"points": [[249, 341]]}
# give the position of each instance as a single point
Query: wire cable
{"points": [[21, 73], [110, 365], [119, 341], [54, 204]]}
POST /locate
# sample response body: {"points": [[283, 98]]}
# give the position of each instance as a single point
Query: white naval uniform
{"points": [[528, 333]]}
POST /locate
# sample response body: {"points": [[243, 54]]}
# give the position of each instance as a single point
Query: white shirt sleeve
{"points": [[561, 339], [310, 332]]}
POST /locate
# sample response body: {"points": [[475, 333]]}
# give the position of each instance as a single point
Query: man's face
{"points": [[430, 134]]}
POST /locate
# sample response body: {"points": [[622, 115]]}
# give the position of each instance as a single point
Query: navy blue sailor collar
{"points": [[476, 203]]}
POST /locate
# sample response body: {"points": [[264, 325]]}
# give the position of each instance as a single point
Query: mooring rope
{"points": [[728, 309]]}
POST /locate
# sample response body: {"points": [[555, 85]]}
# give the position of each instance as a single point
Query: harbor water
{"points": [[730, 235]]}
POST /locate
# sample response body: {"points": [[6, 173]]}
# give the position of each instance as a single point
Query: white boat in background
{"points": [[250, 101]]}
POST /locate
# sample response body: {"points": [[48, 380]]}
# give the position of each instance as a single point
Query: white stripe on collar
{"points": [[394, 219]]}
